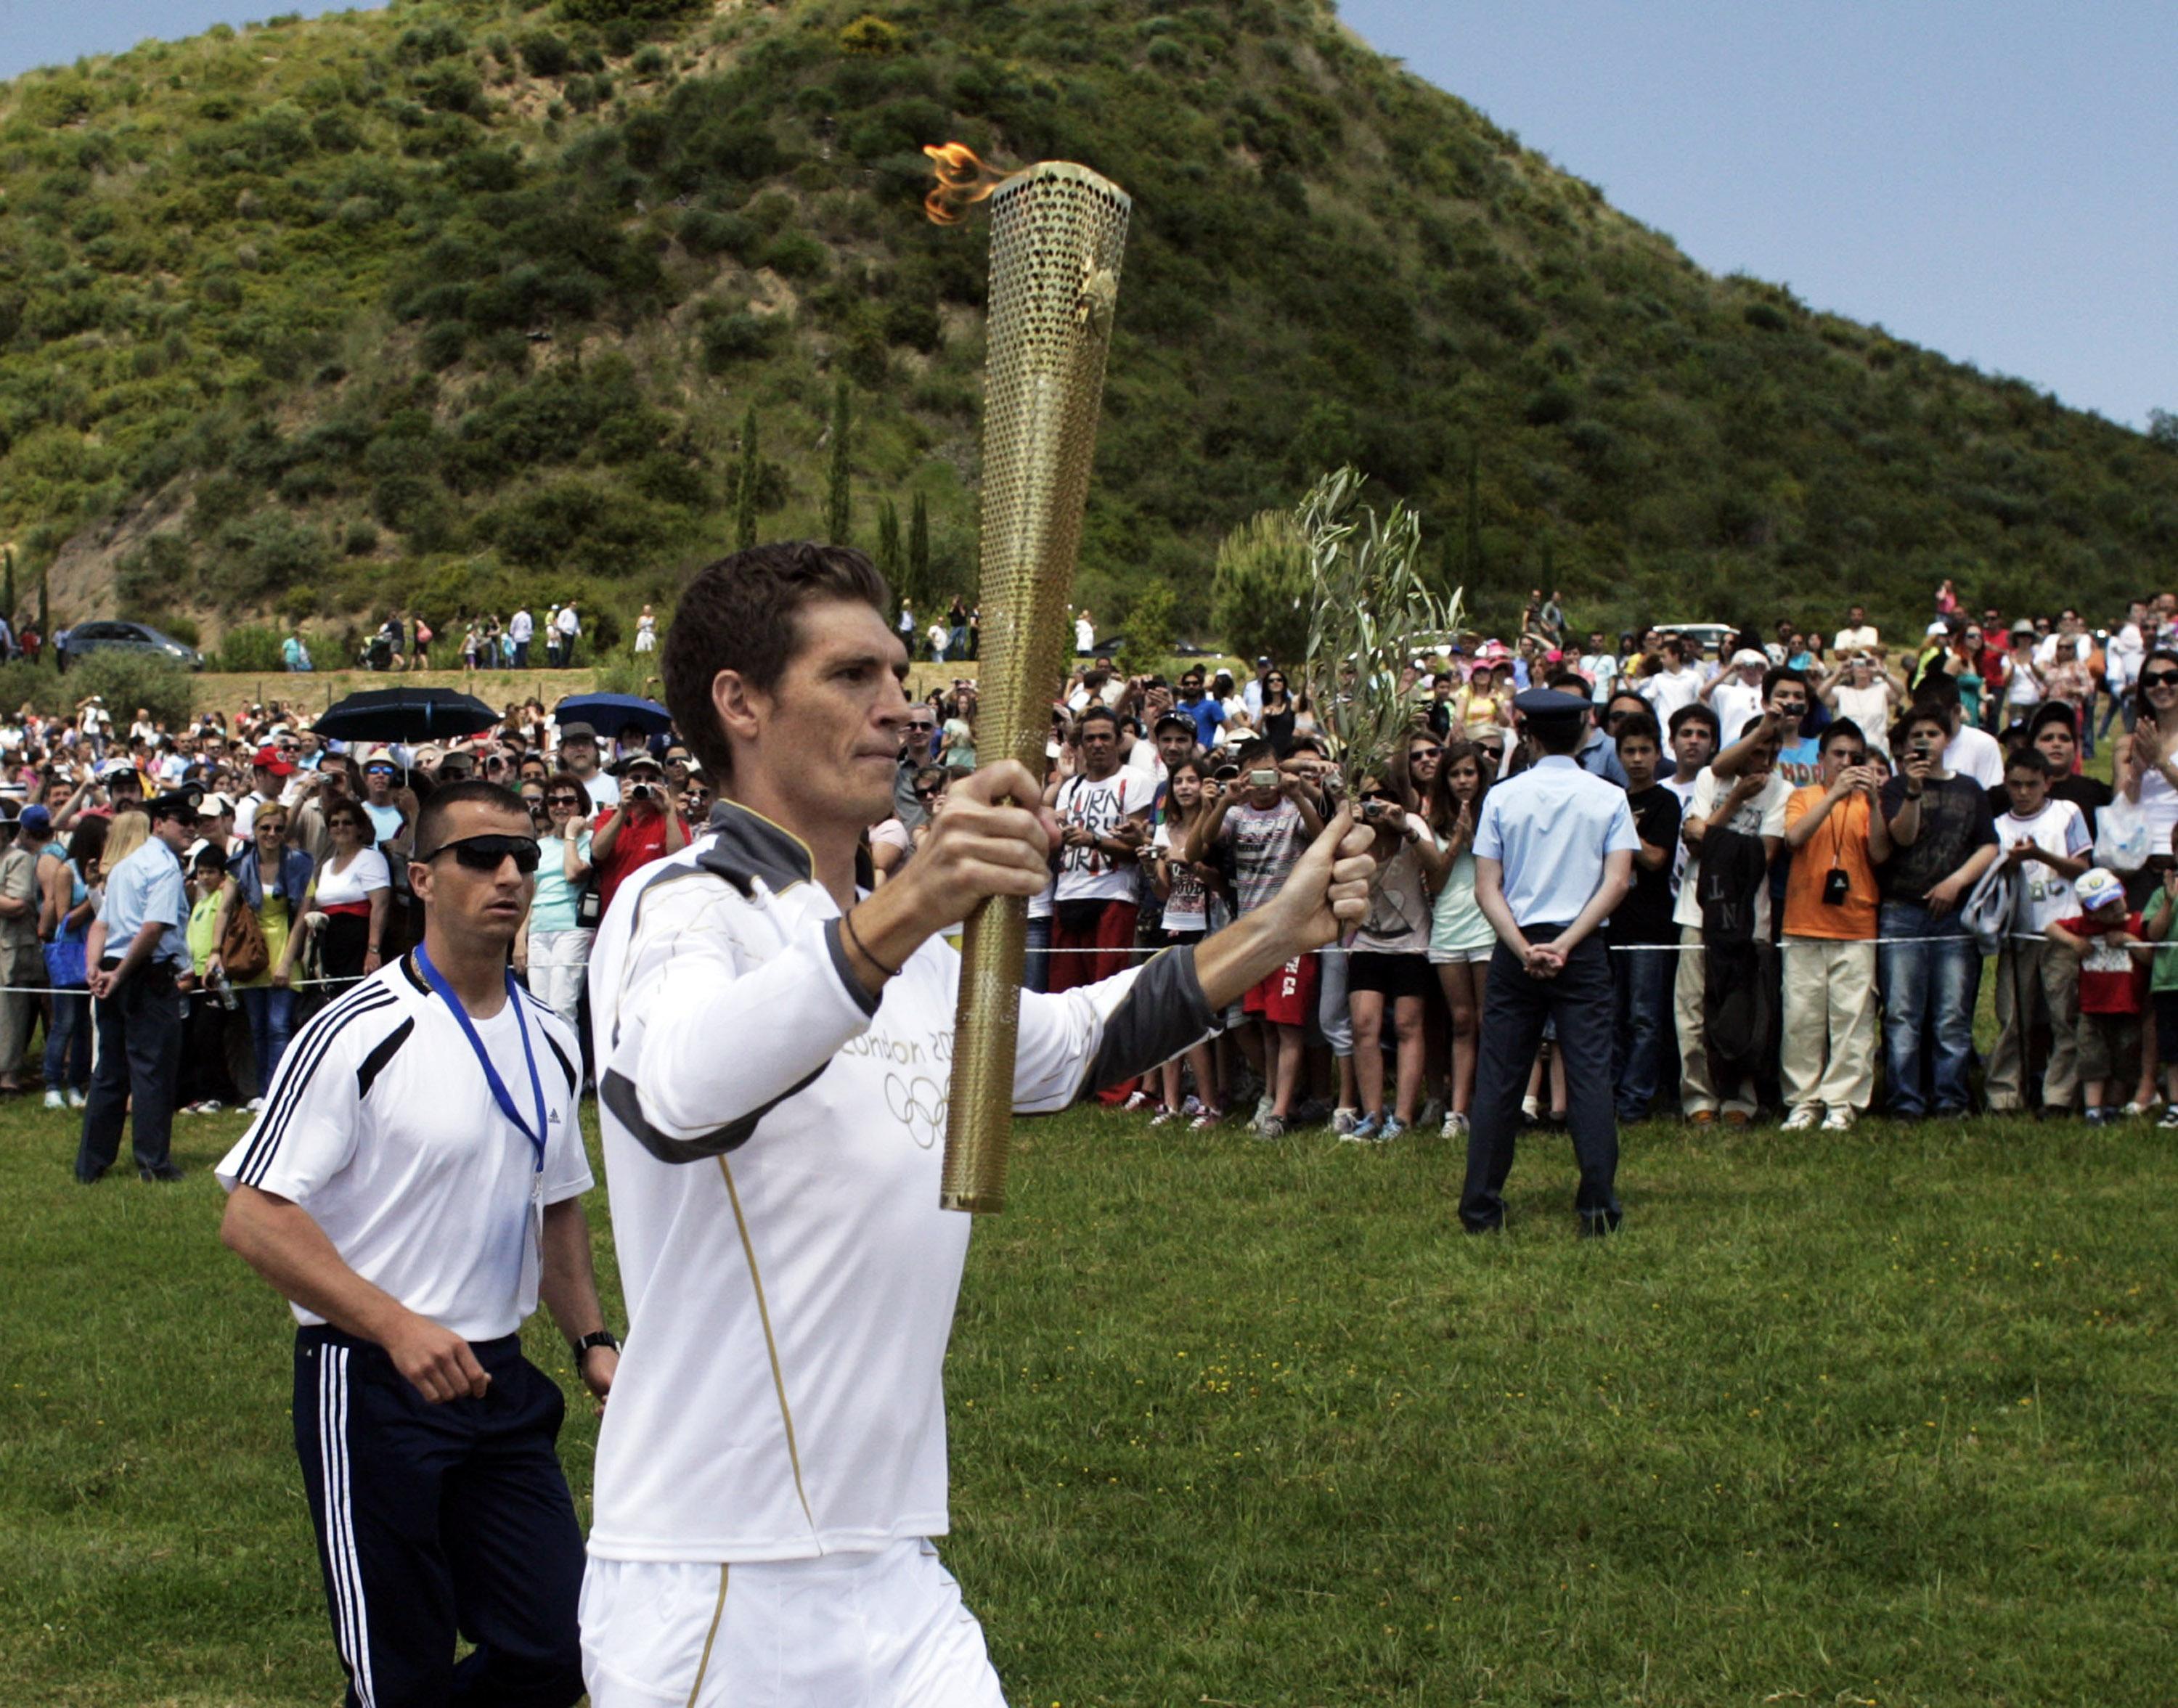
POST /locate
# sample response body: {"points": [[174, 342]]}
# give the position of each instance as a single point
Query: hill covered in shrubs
{"points": [[467, 300]]}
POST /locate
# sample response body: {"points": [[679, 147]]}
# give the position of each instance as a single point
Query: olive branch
{"points": [[1372, 618]]}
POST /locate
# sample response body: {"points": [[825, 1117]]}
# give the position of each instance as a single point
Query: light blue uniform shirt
{"points": [[147, 886], [1551, 827]]}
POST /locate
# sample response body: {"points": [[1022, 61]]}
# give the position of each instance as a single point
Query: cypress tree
{"points": [[44, 624], [745, 487], [918, 549], [8, 594], [888, 559], [838, 506], [1472, 569]]}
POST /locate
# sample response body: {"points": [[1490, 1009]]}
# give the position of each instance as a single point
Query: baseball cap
{"points": [[116, 768], [1175, 720], [1747, 655], [273, 760], [36, 820], [576, 732], [1940, 626], [2098, 887]]}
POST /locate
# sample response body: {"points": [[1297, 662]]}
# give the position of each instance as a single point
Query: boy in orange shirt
{"points": [[1837, 839]]}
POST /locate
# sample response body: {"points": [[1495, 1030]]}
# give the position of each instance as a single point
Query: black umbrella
{"points": [[405, 715]]}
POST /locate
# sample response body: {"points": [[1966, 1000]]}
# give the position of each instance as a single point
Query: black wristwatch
{"points": [[604, 1336]]}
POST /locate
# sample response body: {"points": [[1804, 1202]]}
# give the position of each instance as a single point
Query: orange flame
{"points": [[963, 180]]}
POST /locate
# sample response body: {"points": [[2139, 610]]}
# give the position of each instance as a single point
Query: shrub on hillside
{"points": [[248, 647], [1260, 589], [128, 681], [543, 54]]}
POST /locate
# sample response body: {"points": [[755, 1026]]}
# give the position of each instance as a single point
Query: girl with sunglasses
{"points": [[554, 946], [1278, 713]]}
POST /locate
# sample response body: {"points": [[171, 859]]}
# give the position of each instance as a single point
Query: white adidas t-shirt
{"points": [[380, 1125], [789, 1297], [2044, 895]]}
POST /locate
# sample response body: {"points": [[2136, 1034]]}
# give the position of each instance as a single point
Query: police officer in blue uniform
{"points": [[136, 998], [1553, 857]]}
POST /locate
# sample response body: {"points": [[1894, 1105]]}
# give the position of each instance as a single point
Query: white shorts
{"points": [[882, 1630]]}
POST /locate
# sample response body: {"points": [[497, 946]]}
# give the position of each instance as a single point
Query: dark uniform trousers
{"points": [[437, 1519], [1515, 1007], [138, 1069]]}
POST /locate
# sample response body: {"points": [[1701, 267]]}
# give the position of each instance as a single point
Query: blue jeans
{"points": [[1036, 969], [68, 1040], [1641, 1019], [272, 1013], [1929, 985]]}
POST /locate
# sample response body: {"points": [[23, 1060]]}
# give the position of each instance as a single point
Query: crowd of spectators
{"points": [[1840, 838], [295, 867]]}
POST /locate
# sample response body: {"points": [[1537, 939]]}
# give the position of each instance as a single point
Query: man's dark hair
{"points": [[1843, 728], [1092, 714], [1698, 714], [1922, 711], [431, 820], [2026, 757], [1783, 673], [1571, 682], [1640, 724], [739, 614], [1251, 753], [1940, 689], [1560, 732]]}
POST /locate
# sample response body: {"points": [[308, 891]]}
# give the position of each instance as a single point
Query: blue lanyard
{"points": [[436, 979]]}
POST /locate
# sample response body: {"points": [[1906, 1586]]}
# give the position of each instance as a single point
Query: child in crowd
{"points": [[1188, 889], [2103, 936], [2163, 982]]}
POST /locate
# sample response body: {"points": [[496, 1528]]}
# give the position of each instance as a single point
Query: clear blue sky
{"points": [[1995, 180]]}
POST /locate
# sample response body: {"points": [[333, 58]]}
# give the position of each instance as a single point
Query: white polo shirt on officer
{"points": [[382, 1124]]}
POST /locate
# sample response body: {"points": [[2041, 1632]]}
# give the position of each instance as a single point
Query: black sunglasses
{"points": [[489, 853], [563, 800], [1424, 753], [2158, 678]]}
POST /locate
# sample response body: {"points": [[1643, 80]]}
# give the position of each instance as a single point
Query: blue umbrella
{"points": [[609, 714]]}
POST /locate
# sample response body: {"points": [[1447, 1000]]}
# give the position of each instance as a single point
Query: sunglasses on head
{"points": [[490, 853]]}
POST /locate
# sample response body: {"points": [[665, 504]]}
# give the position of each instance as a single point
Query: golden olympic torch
{"points": [[1057, 232]]}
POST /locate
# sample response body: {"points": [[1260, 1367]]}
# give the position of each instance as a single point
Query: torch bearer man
{"points": [[773, 1041]]}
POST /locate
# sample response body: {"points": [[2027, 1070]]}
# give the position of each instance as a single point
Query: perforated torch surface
{"points": [[1057, 233]]}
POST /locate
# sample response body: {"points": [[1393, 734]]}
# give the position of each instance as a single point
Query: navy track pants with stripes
{"points": [[438, 1519]]}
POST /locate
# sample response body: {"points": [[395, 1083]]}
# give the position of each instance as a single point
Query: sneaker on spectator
{"points": [[2169, 1116], [1802, 1118], [1393, 1127], [209, 1106], [1530, 1108], [2098, 1117], [255, 1106], [1137, 1101], [54, 1100], [1262, 1110], [1432, 1113], [1365, 1131], [1312, 1112], [1702, 1117], [1163, 1116], [1191, 1106], [76, 1099], [1208, 1119], [1271, 1127], [1736, 1118], [1838, 1120], [1454, 1127], [2133, 1112], [1343, 1121]]}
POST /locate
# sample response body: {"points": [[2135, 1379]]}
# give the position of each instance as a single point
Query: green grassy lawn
{"points": [[1883, 1419]]}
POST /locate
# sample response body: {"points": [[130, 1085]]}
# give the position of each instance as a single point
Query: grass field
{"points": [[1885, 1419]]}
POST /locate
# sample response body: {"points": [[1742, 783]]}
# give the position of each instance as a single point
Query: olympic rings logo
{"points": [[918, 1105]]}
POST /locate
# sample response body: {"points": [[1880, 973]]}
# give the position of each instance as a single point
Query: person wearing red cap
{"points": [[268, 770]]}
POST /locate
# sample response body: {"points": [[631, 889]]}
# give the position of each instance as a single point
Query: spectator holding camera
{"points": [[1943, 838], [1837, 839], [641, 828], [1266, 819]]}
